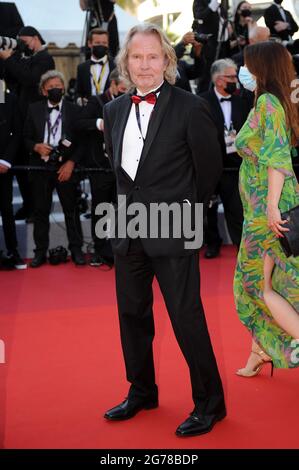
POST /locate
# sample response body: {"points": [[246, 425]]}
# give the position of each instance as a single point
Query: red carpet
{"points": [[64, 368]]}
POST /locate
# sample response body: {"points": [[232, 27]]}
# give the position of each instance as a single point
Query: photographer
{"points": [[185, 71], [210, 17], [10, 133], [50, 138], [280, 22], [243, 23], [23, 69], [93, 74]]}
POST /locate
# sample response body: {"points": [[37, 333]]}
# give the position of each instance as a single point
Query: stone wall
{"points": [[66, 59]]}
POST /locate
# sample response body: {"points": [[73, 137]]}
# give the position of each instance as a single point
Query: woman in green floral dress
{"points": [[266, 284]]}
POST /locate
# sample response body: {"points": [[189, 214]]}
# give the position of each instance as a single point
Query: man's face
{"points": [[99, 40], [146, 61], [52, 83], [229, 75], [30, 41]]}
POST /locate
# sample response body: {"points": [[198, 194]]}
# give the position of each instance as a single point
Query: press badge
{"points": [[229, 138]]}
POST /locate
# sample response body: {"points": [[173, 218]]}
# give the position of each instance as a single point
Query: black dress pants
{"points": [[228, 189], [43, 184], [179, 281], [6, 210]]}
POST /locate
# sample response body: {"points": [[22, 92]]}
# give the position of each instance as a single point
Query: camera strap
{"points": [[53, 128]]}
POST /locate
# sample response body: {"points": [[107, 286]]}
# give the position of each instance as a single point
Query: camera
{"points": [[202, 37], [57, 255], [8, 43], [60, 153]]}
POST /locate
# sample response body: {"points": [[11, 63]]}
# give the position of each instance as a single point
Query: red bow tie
{"points": [[151, 98]]}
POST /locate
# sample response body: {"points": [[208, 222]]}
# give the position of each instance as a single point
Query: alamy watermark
{"points": [[154, 220]]}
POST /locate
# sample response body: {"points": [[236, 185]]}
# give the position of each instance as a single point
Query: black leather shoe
{"points": [[196, 424], [78, 258], [38, 260], [128, 408]]}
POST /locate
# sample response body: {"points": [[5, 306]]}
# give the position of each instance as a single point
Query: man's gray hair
{"points": [[170, 56], [218, 67], [48, 75]]}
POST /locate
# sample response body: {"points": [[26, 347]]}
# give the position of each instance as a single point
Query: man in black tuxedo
{"points": [[163, 148], [93, 74], [102, 183], [50, 126], [22, 71], [230, 111], [280, 21], [10, 134]]}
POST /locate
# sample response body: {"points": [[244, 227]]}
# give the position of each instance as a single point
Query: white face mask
{"points": [[247, 79]]}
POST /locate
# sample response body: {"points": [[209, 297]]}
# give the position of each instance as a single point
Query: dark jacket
{"points": [[181, 159], [240, 111], [35, 123], [10, 128], [91, 138], [26, 72], [272, 14], [83, 85]]}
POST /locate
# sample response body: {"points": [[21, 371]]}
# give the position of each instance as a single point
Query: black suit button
{"points": [[136, 188]]}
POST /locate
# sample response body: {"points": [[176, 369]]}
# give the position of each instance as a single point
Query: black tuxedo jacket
{"points": [[83, 85], [272, 14], [209, 19], [181, 158], [34, 128], [91, 138], [26, 72], [240, 111], [10, 128]]}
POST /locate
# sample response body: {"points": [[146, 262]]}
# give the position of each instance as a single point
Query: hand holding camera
{"points": [[43, 149]]}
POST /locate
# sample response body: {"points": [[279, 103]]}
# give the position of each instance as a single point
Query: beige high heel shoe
{"points": [[264, 359]]}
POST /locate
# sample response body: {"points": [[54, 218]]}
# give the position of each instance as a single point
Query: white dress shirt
{"points": [[96, 70], [226, 107], [282, 12], [54, 140], [133, 139]]}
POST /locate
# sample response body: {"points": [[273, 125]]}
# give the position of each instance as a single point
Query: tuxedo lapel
{"points": [[219, 118], [121, 122], [155, 121], [41, 120], [87, 76]]}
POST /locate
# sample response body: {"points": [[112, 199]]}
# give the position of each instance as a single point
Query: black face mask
{"points": [[246, 12], [120, 93], [22, 47], [55, 95], [279, 2], [230, 88], [99, 51]]}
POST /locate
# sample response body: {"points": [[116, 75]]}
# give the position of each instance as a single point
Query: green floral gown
{"points": [[264, 142]]}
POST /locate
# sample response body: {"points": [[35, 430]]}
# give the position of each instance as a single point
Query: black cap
{"points": [[30, 31]]}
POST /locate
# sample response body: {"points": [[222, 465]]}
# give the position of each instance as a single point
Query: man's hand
{"points": [[43, 149], [281, 26], [5, 54], [65, 171], [3, 169]]}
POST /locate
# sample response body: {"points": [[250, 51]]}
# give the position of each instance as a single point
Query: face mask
{"points": [[246, 78], [23, 47], [279, 2], [99, 51], [245, 12], [120, 93], [230, 88], [55, 95]]}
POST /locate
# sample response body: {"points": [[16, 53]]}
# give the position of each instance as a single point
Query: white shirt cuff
{"points": [[100, 124], [5, 163], [213, 5]]}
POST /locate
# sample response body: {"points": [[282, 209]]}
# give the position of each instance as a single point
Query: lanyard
{"points": [[98, 83], [52, 129]]}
